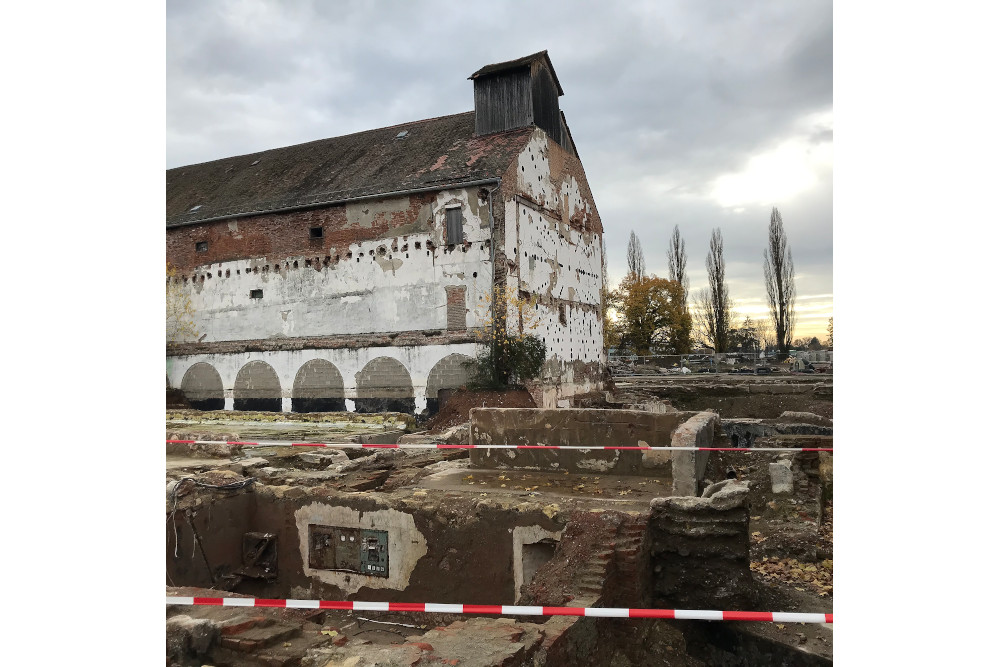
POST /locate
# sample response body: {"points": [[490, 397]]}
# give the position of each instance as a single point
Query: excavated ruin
{"points": [[600, 528]]}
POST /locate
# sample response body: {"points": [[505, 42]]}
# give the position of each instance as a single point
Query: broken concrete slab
{"points": [[190, 637], [790, 417]]}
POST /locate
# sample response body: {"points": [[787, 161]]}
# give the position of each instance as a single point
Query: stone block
{"points": [[190, 636], [324, 458], [781, 477], [698, 431]]}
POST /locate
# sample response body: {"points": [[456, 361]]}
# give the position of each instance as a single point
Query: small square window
{"points": [[256, 294], [315, 232], [201, 246]]}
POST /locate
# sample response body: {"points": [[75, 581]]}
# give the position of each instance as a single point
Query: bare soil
{"points": [[455, 411]]}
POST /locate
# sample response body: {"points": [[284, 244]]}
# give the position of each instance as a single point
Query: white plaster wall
{"points": [[418, 361], [554, 255], [377, 290], [557, 260]]}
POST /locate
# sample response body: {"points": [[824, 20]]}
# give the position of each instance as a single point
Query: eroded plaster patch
{"points": [[406, 544], [599, 465]]}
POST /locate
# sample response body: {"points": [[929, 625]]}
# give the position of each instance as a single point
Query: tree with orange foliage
{"points": [[651, 312]]}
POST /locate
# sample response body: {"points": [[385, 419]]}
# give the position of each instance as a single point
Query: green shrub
{"points": [[505, 361]]}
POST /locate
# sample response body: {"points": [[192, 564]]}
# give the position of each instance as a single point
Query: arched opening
{"points": [[318, 387], [384, 385], [202, 387], [450, 373], [257, 388]]}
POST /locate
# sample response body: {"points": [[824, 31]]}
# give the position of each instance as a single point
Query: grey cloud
{"points": [[662, 98]]}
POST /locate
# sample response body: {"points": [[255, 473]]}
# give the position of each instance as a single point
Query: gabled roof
{"points": [[526, 61], [437, 152]]}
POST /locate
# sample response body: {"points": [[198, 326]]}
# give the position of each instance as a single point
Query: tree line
{"points": [[662, 314]]}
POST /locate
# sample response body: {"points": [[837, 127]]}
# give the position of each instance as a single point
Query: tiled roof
{"points": [[435, 152]]}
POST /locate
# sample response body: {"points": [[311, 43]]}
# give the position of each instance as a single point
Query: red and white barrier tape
{"points": [[608, 612], [355, 445]]}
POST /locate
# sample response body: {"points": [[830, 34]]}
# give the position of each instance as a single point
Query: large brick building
{"points": [[347, 273]]}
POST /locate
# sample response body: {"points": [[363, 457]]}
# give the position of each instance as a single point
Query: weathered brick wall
{"points": [[456, 306], [257, 388], [449, 373], [278, 236], [380, 266], [318, 387], [202, 387]]}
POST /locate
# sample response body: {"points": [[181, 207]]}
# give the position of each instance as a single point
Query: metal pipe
{"points": [[493, 261]]}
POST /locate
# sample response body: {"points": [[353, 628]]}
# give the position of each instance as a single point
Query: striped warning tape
{"points": [[355, 445], [607, 612]]}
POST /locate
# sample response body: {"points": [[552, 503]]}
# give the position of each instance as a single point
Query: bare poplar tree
{"points": [[636, 262], [715, 308], [779, 277], [677, 259]]}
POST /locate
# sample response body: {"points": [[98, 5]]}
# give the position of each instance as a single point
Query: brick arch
{"points": [[384, 385], [202, 387], [257, 388], [451, 372], [318, 387]]}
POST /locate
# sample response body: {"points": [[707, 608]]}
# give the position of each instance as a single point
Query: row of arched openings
{"points": [[384, 385]]}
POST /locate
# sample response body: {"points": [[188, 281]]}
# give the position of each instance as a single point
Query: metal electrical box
{"points": [[375, 552], [349, 549]]}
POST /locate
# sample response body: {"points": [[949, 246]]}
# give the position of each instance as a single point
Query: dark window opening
{"points": [[562, 314], [315, 232], [453, 219], [256, 294], [201, 246]]}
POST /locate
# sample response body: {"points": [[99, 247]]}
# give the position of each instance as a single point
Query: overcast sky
{"points": [[699, 114]]}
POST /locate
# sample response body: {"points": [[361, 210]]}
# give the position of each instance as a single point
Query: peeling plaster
{"points": [[407, 545]]}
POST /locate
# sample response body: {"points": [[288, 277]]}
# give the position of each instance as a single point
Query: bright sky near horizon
{"points": [[697, 114]]}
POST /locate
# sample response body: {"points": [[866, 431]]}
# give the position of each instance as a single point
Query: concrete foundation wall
{"points": [[450, 554], [573, 427], [688, 468]]}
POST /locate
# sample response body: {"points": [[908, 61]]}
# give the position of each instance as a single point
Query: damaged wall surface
{"points": [[400, 231], [379, 266], [328, 379]]}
